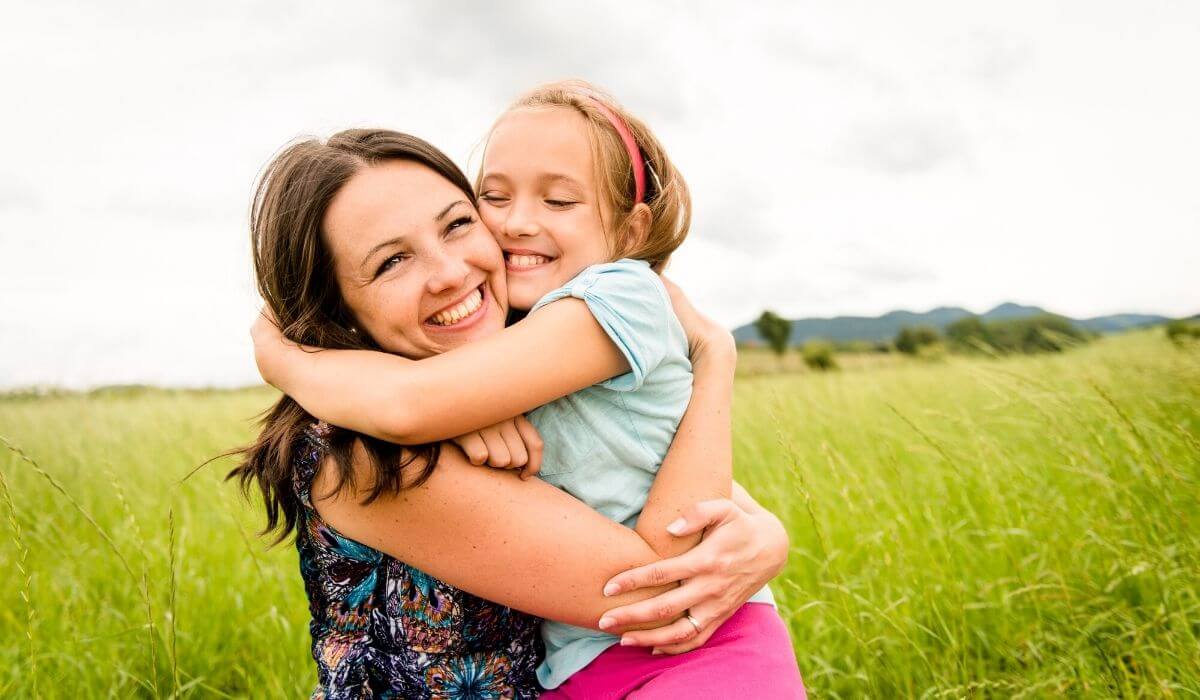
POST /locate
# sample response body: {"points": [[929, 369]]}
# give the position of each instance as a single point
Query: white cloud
{"points": [[845, 157]]}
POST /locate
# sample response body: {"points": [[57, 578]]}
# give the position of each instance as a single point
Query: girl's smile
{"points": [[538, 197]]}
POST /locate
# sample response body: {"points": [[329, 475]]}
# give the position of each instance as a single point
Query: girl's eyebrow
{"points": [[398, 239], [555, 178]]}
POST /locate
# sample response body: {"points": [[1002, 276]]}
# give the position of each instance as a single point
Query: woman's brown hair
{"points": [[294, 270], [667, 195]]}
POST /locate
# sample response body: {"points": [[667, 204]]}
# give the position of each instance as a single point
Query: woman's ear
{"points": [[637, 226]]}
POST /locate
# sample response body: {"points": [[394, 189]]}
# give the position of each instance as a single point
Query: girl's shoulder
{"points": [[630, 286]]}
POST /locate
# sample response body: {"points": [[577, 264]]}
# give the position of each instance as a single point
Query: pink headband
{"points": [[635, 153]]}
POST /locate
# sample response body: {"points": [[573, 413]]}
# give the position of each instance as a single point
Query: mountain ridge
{"points": [[886, 326]]}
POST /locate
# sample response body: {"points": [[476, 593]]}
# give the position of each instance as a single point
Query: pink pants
{"points": [[750, 656]]}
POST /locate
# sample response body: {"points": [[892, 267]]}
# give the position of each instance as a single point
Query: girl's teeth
{"points": [[526, 260], [468, 306]]}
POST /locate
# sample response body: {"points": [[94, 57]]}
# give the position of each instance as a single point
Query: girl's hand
{"points": [[509, 444], [740, 552]]}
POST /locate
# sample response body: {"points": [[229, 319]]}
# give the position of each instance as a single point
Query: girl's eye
{"points": [[389, 264], [493, 198], [560, 203]]}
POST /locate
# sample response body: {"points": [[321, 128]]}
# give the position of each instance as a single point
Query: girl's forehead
{"points": [[541, 138]]}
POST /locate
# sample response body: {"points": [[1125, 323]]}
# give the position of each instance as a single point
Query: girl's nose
{"points": [[522, 221]]}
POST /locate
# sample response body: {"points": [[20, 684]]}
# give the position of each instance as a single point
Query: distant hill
{"points": [[885, 327]]}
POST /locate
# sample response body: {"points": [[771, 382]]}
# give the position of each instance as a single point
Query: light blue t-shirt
{"points": [[604, 444]]}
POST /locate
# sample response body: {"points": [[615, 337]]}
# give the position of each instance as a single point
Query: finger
{"points": [[677, 632], [706, 632], [533, 442], [661, 608], [518, 455], [473, 447], [699, 516], [497, 451], [659, 573]]}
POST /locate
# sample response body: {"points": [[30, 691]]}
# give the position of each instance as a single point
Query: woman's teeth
{"points": [[527, 260], [465, 308]]}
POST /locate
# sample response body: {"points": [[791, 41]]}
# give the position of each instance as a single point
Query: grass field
{"points": [[1023, 527]]}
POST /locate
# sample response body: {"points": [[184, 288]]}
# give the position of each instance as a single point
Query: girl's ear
{"points": [[637, 226]]}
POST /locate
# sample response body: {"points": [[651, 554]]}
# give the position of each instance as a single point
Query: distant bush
{"points": [[911, 339], [1183, 330], [774, 329], [861, 346], [819, 355], [1033, 334]]}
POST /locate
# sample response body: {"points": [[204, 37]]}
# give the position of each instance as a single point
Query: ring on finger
{"points": [[694, 621]]}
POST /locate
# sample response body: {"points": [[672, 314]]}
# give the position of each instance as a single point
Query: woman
{"points": [[396, 543]]}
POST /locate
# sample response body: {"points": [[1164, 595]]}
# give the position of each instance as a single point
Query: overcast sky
{"points": [[844, 157]]}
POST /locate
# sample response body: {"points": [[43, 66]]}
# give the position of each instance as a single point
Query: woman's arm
{"points": [[744, 546], [524, 544], [554, 352]]}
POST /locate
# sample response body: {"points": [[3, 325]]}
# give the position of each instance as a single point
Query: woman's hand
{"points": [[741, 551], [509, 444], [268, 339]]}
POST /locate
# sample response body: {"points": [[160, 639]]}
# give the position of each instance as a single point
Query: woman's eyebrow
{"points": [[449, 208], [378, 247]]}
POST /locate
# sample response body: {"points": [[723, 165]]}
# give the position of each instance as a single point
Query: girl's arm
{"points": [[554, 352], [699, 465], [524, 544]]}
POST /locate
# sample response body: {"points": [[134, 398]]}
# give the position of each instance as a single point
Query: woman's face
{"points": [[414, 264]]}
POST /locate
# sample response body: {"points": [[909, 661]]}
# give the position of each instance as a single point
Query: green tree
{"points": [[911, 339], [1182, 330], [774, 329], [968, 334]]}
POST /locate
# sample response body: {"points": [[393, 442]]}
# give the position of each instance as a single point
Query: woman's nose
{"points": [[449, 273]]}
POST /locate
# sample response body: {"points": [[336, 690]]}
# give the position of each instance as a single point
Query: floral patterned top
{"points": [[383, 629]]}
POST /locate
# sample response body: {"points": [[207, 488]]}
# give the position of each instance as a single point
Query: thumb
{"points": [[700, 516]]}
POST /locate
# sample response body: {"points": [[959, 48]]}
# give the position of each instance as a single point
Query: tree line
{"points": [[972, 334]]}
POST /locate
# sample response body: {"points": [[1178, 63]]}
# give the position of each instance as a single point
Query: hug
{"points": [[504, 446]]}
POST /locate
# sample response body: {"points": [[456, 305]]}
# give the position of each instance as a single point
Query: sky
{"points": [[845, 157]]}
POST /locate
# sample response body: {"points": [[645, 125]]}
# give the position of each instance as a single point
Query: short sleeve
{"points": [[629, 302]]}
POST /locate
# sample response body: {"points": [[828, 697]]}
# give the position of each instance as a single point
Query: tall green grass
{"points": [[1021, 527]]}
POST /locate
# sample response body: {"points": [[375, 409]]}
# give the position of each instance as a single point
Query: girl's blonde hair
{"points": [[667, 193]]}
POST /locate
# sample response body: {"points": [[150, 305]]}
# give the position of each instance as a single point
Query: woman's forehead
{"points": [[392, 198]]}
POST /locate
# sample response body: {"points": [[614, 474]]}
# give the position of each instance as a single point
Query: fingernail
{"points": [[626, 642], [606, 622], [676, 526], [611, 589], [655, 652]]}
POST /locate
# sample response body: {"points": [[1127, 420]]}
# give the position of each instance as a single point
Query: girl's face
{"points": [[538, 196], [414, 265]]}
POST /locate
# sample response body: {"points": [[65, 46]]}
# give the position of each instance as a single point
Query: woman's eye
{"points": [[389, 264], [460, 222]]}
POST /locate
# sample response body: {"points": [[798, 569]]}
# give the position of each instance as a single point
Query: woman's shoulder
{"points": [[311, 448]]}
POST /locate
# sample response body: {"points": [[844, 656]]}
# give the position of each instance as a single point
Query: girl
{"points": [[586, 207]]}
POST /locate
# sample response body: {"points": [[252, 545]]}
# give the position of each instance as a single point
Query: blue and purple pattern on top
{"points": [[383, 629]]}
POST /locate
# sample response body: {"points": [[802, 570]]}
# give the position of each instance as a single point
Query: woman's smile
{"points": [[463, 313]]}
